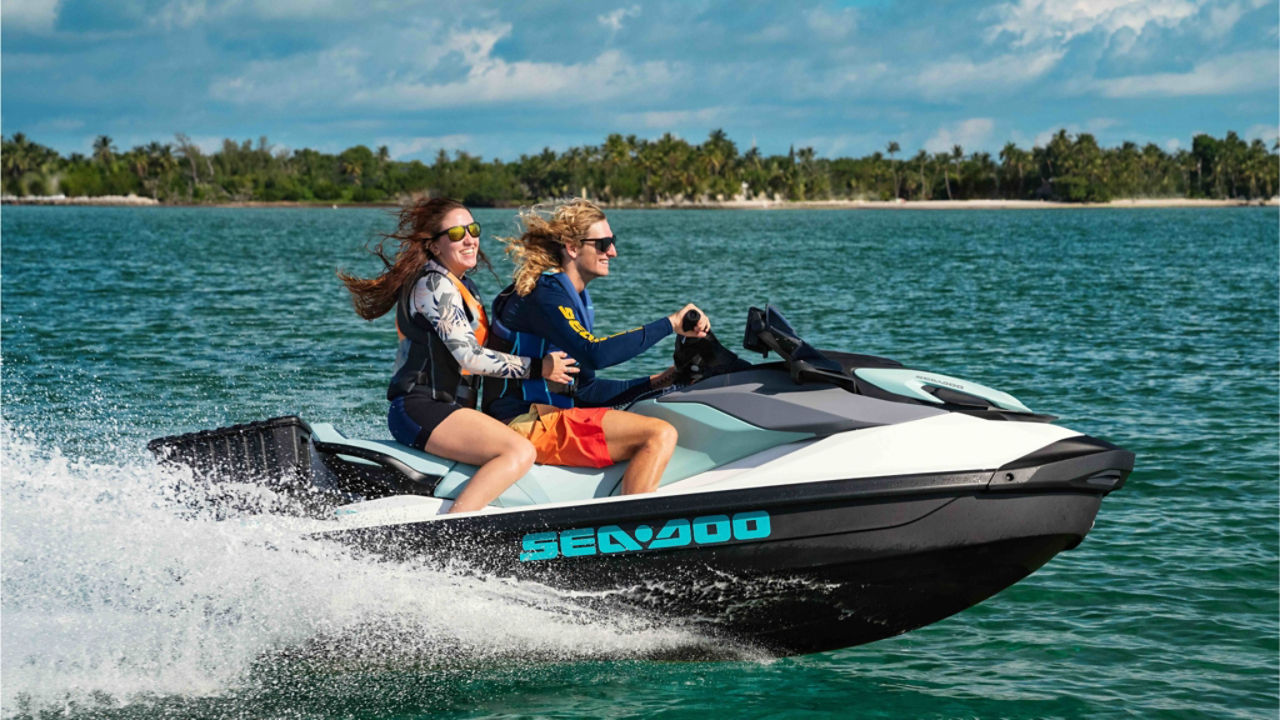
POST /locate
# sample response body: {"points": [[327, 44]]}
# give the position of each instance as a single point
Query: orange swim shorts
{"points": [[572, 437]]}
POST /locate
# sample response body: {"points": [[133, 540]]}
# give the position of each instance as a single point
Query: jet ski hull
{"points": [[813, 568]]}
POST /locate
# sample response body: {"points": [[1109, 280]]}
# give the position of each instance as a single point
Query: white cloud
{"points": [[971, 134], [1222, 18], [32, 15], [831, 25], [1044, 136], [493, 80], [188, 13], [1092, 127], [321, 78], [404, 74], [180, 14], [831, 146], [961, 75], [402, 148], [333, 75], [57, 125], [665, 119], [1223, 75], [1099, 124], [1172, 145], [1035, 20], [208, 144], [792, 79], [613, 20], [1267, 133]]}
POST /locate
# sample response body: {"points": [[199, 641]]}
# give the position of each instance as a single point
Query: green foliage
{"points": [[627, 169], [326, 191], [368, 195]]}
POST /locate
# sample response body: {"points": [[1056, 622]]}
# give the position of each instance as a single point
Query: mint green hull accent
{"points": [[708, 438], [422, 461], [911, 383]]}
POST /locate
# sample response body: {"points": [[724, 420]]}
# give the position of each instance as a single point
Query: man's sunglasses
{"points": [[457, 232], [602, 244]]}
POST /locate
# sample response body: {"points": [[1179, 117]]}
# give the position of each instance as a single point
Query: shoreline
{"points": [[986, 204], [138, 201]]}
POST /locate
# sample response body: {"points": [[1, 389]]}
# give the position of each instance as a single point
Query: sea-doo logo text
{"points": [[677, 532], [942, 383]]}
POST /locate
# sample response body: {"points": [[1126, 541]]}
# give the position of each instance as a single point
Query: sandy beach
{"points": [[129, 200], [980, 204]]}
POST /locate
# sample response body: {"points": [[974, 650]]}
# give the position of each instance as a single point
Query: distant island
{"points": [[667, 172]]}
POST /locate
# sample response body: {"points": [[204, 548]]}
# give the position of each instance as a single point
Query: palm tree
{"points": [[1234, 153], [1014, 159], [136, 160], [922, 160], [384, 159], [1154, 171], [17, 156], [615, 155], [982, 175], [947, 160], [670, 155], [191, 153], [892, 148], [103, 150], [160, 161], [717, 154]]}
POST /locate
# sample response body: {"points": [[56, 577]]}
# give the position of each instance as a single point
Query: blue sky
{"points": [[500, 79]]}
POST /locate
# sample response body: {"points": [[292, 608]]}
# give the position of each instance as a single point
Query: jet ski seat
{"points": [[708, 438]]}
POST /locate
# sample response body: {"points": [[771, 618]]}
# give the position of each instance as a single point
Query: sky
{"points": [[501, 79]]}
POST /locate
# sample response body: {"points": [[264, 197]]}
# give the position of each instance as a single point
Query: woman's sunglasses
{"points": [[602, 244], [457, 232]]}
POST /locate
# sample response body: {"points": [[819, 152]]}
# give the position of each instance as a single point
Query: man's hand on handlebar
{"points": [[695, 325]]}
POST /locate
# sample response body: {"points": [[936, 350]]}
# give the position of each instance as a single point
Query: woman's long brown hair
{"points": [[418, 224]]}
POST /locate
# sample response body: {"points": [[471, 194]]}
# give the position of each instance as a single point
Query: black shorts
{"points": [[413, 417]]}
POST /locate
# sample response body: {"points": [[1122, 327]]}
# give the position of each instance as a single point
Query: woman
{"points": [[442, 329], [548, 306]]}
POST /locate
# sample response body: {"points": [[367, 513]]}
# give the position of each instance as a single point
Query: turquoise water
{"points": [[1156, 329]]}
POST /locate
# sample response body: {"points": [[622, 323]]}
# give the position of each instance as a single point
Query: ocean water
{"points": [[1156, 329]]}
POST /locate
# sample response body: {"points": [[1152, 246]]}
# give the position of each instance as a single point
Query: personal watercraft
{"points": [[820, 501]]}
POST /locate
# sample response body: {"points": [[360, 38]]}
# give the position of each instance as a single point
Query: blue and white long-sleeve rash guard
{"points": [[437, 300]]}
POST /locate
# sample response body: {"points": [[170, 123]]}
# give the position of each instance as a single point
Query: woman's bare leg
{"points": [[477, 439], [647, 442]]}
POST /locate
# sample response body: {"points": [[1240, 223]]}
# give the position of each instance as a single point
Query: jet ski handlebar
{"points": [[768, 330], [690, 320]]}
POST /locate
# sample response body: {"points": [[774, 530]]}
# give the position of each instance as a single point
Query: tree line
{"points": [[630, 170]]}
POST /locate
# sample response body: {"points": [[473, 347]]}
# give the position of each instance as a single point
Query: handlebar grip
{"points": [[690, 320]]}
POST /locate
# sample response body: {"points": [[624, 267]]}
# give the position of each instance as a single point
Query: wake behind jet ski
{"points": [[822, 501]]}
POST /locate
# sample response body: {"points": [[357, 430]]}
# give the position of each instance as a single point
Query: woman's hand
{"points": [[700, 330], [558, 367]]}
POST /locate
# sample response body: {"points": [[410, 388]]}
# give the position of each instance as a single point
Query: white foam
{"points": [[113, 590]]}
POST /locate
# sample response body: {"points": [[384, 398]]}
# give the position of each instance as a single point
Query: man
{"points": [[548, 308]]}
